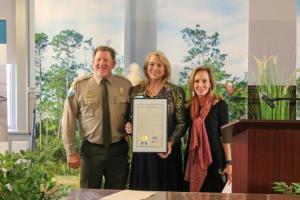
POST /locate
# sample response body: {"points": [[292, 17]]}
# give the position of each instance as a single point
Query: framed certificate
{"points": [[149, 125]]}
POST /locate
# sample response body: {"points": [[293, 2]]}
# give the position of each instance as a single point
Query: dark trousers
{"points": [[98, 162]]}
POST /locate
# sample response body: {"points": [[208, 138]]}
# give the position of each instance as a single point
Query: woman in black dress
{"points": [[207, 158], [160, 171]]}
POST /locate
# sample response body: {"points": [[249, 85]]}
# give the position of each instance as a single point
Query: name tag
{"points": [[89, 101], [121, 100]]}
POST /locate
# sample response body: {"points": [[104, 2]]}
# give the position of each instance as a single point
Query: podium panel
{"points": [[264, 151]]}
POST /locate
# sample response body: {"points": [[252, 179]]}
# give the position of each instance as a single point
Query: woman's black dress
{"points": [[148, 170], [217, 117]]}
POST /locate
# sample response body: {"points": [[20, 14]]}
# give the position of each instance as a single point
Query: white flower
{"points": [[9, 187], [4, 170], [134, 74], [21, 161]]}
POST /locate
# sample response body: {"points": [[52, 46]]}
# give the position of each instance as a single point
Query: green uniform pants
{"points": [[98, 162]]}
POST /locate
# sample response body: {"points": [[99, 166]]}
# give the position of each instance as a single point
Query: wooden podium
{"points": [[263, 152]]}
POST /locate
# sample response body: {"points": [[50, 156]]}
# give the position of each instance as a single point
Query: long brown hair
{"points": [[212, 90]]}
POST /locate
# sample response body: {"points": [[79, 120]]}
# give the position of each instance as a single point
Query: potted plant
{"points": [[267, 77], [284, 188], [24, 176]]}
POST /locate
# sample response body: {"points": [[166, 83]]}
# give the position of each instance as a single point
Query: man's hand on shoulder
{"points": [[73, 161]]}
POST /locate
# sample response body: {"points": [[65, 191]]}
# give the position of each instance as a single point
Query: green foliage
{"points": [[204, 49], [267, 76], [41, 41], [23, 176], [284, 188], [55, 91], [56, 81], [64, 46], [66, 42], [282, 108], [119, 68], [236, 97], [87, 47], [51, 151]]}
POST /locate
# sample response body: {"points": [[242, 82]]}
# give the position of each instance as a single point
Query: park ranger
{"points": [[98, 104]]}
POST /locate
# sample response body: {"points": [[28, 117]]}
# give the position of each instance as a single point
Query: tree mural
{"points": [[54, 81], [64, 45], [204, 49], [41, 42], [119, 68], [87, 47]]}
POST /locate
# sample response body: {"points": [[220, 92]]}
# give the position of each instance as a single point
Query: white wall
{"points": [[16, 13], [22, 53], [3, 103], [272, 30], [8, 11]]}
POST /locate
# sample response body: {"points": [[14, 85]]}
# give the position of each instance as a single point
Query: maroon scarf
{"points": [[199, 150]]}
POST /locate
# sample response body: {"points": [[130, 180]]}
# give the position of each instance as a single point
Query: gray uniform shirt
{"points": [[84, 104]]}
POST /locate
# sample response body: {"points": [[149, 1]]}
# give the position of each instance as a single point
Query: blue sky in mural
{"points": [[92, 18], [228, 18]]}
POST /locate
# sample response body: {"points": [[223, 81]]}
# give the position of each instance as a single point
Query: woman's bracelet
{"points": [[228, 162]]}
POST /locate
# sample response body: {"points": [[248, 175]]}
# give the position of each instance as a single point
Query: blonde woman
{"points": [[160, 171], [208, 158]]}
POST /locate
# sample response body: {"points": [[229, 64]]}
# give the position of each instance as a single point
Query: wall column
{"points": [[140, 30]]}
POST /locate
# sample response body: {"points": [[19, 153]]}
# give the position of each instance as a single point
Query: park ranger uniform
{"points": [[84, 105]]}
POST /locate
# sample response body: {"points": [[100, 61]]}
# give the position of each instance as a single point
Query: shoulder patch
{"points": [[71, 91]]}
